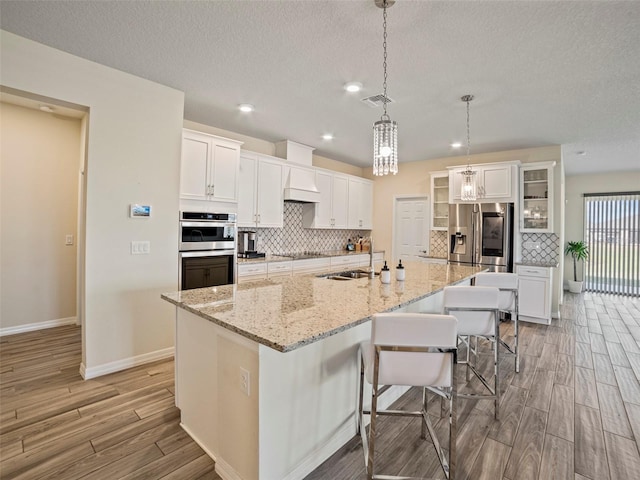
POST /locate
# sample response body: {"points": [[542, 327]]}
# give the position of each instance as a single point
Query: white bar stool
{"points": [[411, 349], [507, 283], [476, 309]]}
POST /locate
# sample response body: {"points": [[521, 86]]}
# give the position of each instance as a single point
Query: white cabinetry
{"points": [[331, 210], [252, 271], [536, 201], [360, 212], [260, 193], [279, 269], [439, 200], [209, 167], [496, 182], [534, 294]]}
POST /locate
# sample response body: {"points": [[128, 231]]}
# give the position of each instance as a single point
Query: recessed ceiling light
{"points": [[327, 136], [582, 153], [46, 108], [456, 145], [246, 107], [353, 87]]}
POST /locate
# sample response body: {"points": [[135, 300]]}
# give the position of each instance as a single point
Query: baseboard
{"points": [[30, 327], [118, 365]]}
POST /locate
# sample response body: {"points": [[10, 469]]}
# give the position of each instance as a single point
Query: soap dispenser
{"points": [[400, 271], [385, 274]]}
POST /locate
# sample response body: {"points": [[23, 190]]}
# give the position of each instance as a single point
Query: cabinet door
{"points": [[439, 201], [323, 209], [455, 184], [270, 195], [353, 205], [247, 191], [495, 181], [224, 173], [366, 206], [533, 297], [194, 178], [536, 199], [340, 201]]}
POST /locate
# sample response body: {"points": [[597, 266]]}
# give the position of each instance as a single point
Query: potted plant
{"points": [[579, 251]]}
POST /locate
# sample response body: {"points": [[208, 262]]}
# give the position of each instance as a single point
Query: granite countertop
{"points": [[285, 258], [290, 312], [534, 263]]}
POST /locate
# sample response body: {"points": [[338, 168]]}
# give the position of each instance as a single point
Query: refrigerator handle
{"points": [[477, 235]]}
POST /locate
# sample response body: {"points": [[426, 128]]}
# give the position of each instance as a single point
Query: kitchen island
{"points": [[266, 371]]}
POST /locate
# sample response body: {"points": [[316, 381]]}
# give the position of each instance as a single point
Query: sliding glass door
{"points": [[612, 235]]}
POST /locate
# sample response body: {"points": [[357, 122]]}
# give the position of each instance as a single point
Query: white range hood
{"points": [[300, 185]]}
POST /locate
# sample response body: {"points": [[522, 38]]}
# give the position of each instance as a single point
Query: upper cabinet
{"points": [[439, 200], [536, 202], [209, 167], [260, 197], [496, 182], [331, 210], [360, 205]]}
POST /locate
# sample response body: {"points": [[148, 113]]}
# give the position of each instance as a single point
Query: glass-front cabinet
{"points": [[536, 202], [439, 200]]}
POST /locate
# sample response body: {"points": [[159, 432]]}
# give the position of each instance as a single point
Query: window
{"points": [[612, 234]]}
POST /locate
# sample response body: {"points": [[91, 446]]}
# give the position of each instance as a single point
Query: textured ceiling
{"points": [[542, 72]]}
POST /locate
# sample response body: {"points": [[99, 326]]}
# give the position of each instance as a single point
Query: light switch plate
{"points": [[140, 247], [68, 239]]}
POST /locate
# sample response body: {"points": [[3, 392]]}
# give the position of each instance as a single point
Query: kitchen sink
{"points": [[348, 275]]}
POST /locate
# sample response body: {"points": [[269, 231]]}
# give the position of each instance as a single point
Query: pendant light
{"points": [[469, 191], [385, 131]]}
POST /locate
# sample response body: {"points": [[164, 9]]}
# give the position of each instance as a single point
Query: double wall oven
{"points": [[207, 249]]}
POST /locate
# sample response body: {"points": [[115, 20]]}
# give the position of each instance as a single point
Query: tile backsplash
{"points": [[549, 251], [438, 244], [294, 238]]}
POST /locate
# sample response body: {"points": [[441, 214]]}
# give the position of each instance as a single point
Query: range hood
{"points": [[301, 186], [301, 177]]}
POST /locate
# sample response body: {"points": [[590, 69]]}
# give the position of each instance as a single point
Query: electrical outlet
{"points": [[245, 379]]}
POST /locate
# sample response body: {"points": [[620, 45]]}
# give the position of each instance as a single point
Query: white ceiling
{"points": [[542, 72]]}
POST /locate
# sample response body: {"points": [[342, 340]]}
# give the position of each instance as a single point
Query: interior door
{"points": [[411, 231]]}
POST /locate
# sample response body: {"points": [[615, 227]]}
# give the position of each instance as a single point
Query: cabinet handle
{"points": [[259, 218]]}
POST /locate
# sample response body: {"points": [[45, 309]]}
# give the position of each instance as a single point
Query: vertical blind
{"points": [[612, 236]]}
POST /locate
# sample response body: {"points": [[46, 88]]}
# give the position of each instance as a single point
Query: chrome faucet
{"points": [[372, 272]]}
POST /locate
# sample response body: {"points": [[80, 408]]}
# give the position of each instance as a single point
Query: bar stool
{"points": [[507, 283], [410, 349], [476, 309]]}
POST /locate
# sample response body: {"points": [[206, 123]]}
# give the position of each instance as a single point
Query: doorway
{"points": [[43, 157], [411, 227]]}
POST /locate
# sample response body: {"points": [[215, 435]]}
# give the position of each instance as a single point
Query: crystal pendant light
{"points": [[385, 131], [469, 191]]}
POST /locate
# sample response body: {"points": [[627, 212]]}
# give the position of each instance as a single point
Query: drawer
{"points": [[279, 267], [524, 270], [252, 269], [311, 265], [345, 260]]}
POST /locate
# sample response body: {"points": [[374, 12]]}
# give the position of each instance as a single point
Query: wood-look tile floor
{"points": [[54, 425], [573, 412]]}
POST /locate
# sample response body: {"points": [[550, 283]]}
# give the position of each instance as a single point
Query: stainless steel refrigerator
{"points": [[482, 234]]}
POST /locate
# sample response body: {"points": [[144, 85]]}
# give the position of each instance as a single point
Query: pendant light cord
{"points": [[468, 136], [384, 61]]}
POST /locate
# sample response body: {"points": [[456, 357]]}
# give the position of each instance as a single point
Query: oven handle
{"points": [[207, 224], [207, 253]]}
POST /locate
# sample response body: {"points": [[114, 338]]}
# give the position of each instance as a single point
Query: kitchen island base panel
{"points": [[301, 406]]}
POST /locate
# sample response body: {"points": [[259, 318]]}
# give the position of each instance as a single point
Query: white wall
{"points": [[39, 187], [576, 186], [134, 138]]}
